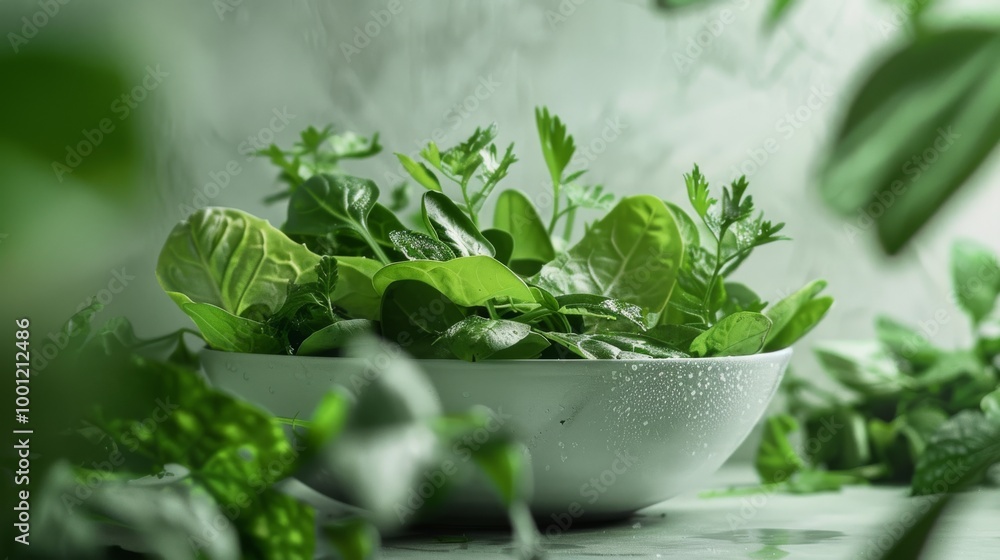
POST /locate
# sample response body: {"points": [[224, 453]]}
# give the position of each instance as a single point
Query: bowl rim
{"points": [[429, 365]]}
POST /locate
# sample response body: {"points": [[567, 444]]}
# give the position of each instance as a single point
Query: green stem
{"points": [[555, 205], [492, 310], [376, 248], [570, 219]]}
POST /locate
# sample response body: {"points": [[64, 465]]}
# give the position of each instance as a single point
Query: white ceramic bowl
{"points": [[606, 437]]}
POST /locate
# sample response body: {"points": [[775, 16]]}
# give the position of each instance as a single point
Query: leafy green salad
{"points": [[645, 280]]}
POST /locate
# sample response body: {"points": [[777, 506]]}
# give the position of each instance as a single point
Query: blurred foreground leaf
{"points": [[921, 125]]}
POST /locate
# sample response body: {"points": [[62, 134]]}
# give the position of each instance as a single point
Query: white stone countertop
{"points": [[853, 523]]}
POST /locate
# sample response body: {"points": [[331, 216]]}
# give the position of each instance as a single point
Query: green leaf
{"points": [[776, 459], [354, 538], [516, 215], [964, 446], [502, 243], [600, 306], [739, 297], [632, 254], [687, 226], [327, 203], [414, 314], [678, 336], [333, 337], [418, 246], [557, 145], [592, 197], [452, 227], [528, 348], [420, 172], [838, 439], [785, 311], [976, 278], [905, 342], [779, 8], [381, 223], [739, 334], [864, 367], [991, 406], [807, 317], [475, 339], [467, 281], [231, 260], [924, 121], [227, 332], [697, 190], [355, 293], [329, 419], [615, 346]]}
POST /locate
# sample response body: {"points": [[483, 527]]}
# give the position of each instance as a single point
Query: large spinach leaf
{"points": [[632, 254], [233, 261]]}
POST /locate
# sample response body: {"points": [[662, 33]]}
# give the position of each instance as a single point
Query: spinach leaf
{"points": [[615, 346], [419, 246], [806, 317], [976, 278], [414, 314], [602, 307], [739, 334], [677, 336], [905, 343], [453, 228], [227, 332], [333, 337], [502, 243], [516, 215], [776, 459], [862, 366], [327, 203], [784, 312], [475, 339], [965, 445], [354, 292], [467, 281], [231, 260], [632, 254]]}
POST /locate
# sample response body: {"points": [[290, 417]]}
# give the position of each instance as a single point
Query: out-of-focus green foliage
{"points": [[920, 126]]}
